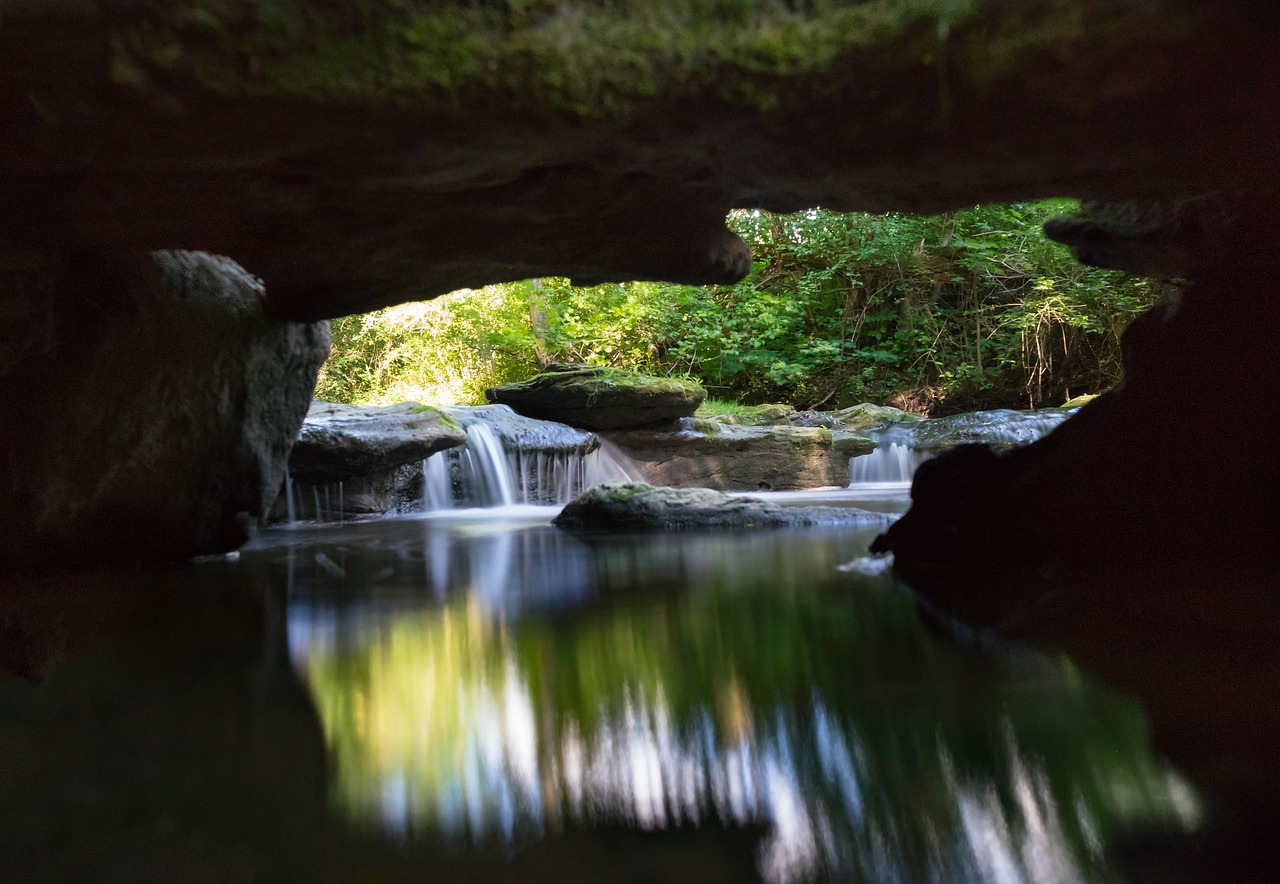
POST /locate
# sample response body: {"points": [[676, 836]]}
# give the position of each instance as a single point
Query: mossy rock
{"points": [[768, 415], [600, 398]]}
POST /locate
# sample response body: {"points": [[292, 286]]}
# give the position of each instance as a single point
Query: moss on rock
{"points": [[600, 398]]}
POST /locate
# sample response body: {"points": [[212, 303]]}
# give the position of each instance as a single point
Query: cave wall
{"points": [[350, 156]]}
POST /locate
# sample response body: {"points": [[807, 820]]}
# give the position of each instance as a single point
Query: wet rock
{"points": [[637, 506], [518, 433], [867, 416], [359, 462], [343, 441], [600, 398], [155, 427], [1001, 428]]}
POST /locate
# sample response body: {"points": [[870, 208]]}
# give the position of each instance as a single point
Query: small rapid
{"points": [[902, 447]]}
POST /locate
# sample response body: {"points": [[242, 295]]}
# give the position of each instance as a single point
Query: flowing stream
{"points": [[473, 692]]}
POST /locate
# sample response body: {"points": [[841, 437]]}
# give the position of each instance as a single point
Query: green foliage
{"points": [[440, 352], [937, 313]]}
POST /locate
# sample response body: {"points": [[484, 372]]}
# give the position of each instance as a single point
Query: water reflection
{"points": [[501, 683]]}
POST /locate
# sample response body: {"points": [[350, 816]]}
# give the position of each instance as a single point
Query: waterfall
{"points": [[488, 468], [891, 463], [437, 486], [487, 471]]}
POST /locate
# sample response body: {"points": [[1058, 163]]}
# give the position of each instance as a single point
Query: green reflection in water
{"points": [[699, 678]]}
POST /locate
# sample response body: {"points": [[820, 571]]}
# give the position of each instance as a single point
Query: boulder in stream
{"points": [[600, 398], [637, 506]]}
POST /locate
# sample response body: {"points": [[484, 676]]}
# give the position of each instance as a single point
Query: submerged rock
{"points": [[340, 441], [600, 398], [637, 506]]}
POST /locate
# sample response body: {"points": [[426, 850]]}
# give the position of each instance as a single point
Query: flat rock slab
{"points": [[599, 398], [339, 441], [744, 458], [636, 506]]}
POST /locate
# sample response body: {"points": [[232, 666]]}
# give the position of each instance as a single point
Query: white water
{"points": [[903, 447], [482, 473], [892, 463]]}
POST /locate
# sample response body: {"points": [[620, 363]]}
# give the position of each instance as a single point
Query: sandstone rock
{"points": [[159, 427], [342, 441], [636, 506], [867, 416], [600, 398], [733, 458]]}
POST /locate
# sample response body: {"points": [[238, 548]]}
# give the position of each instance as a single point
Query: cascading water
{"points": [[902, 447], [893, 462], [497, 468]]}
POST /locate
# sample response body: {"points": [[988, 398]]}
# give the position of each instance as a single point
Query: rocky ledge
{"points": [[637, 506], [340, 442], [759, 448]]}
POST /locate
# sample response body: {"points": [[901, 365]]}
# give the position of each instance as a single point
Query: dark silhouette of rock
{"points": [[325, 147], [599, 398]]}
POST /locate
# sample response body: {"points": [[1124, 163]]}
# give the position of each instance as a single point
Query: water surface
{"points": [[489, 680]]}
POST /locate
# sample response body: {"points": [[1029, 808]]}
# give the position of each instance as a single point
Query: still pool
{"points": [[482, 697]]}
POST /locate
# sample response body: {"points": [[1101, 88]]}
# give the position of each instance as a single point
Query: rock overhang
{"points": [[356, 155]]}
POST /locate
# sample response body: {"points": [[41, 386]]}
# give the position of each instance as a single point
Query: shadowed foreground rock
{"points": [[155, 416], [635, 506], [358, 154], [1143, 473]]}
